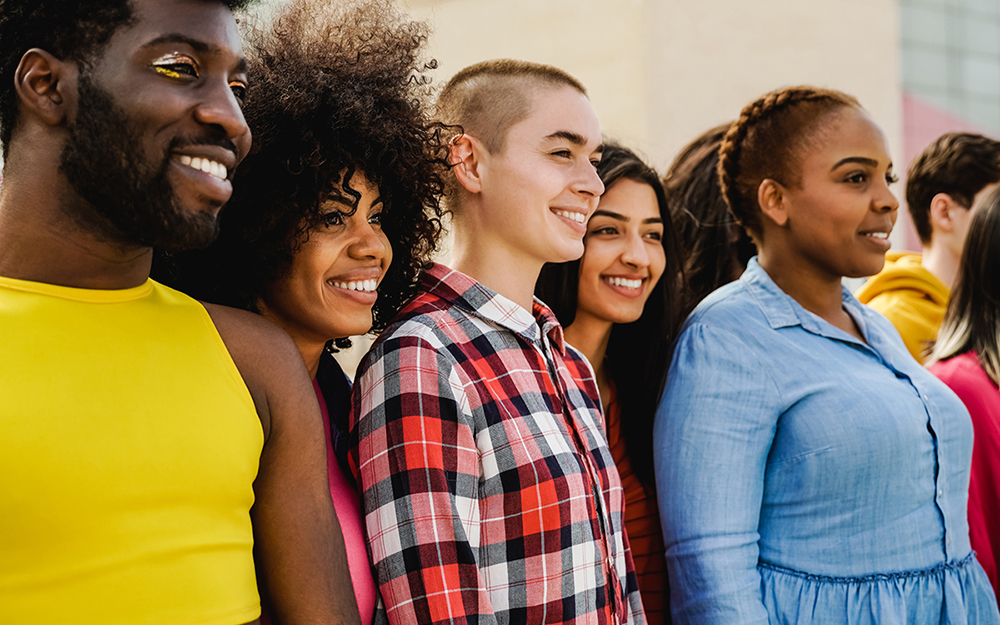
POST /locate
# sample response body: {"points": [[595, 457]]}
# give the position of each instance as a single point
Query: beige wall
{"points": [[661, 71]]}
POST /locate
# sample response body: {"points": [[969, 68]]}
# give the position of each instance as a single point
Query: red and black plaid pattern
{"points": [[490, 495]]}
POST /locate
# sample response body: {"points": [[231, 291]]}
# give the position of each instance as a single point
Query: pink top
{"points": [[966, 377], [348, 506]]}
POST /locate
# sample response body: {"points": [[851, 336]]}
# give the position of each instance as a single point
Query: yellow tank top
{"points": [[128, 448]]}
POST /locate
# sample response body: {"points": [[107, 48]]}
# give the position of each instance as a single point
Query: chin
{"points": [[567, 254]]}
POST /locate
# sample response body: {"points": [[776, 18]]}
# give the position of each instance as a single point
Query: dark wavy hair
{"points": [[718, 249], [75, 30], [336, 88], [638, 353]]}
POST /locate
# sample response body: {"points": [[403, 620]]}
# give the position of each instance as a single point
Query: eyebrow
{"points": [[620, 217], [194, 44], [573, 137], [340, 198], [857, 159]]}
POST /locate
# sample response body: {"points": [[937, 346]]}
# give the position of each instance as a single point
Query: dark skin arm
{"points": [[298, 546]]}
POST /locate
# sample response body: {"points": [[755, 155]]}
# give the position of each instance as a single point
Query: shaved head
{"points": [[488, 98]]}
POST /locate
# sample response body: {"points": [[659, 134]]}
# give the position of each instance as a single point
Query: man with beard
{"points": [[139, 426]]}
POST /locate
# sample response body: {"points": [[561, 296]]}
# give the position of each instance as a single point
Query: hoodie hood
{"points": [[903, 272]]}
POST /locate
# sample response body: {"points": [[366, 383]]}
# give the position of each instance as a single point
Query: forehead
{"points": [[554, 110], [631, 199], [209, 23], [848, 132]]}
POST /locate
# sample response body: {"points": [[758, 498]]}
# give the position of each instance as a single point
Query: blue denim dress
{"points": [[806, 477]]}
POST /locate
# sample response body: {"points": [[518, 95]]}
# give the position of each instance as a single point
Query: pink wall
{"points": [[922, 124]]}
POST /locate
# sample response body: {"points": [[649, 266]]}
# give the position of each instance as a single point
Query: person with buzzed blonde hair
{"points": [[477, 436]]}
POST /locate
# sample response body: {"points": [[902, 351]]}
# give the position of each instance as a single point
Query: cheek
{"points": [[592, 264], [657, 263], [386, 253]]}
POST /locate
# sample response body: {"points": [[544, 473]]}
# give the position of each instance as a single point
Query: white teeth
{"points": [[365, 286], [577, 217], [628, 284], [212, 168], [877, 235]]}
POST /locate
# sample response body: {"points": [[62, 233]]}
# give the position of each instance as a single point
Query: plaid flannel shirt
{"points": [[490, 494]]}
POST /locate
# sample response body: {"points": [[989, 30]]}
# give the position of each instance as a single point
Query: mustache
{"points": [[207, 139]]}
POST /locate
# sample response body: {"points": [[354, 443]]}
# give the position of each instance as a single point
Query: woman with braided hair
{"points": [[808, 469]]}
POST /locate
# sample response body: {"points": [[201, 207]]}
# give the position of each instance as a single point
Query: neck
{"points": [[311, 353], [591, 336], [40, 242], [310, 347], [495, 265], [821, 295], [942, 263]]}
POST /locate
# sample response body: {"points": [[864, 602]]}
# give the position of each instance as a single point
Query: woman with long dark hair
{"points": [[717, 248], [966, 357], [808, 469], [619, 305]]}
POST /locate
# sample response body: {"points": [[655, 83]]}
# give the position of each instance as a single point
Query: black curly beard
{"points": [[129, 198]]}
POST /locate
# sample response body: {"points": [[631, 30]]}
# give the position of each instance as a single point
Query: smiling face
{"points": [[539, 191], [159, 126], [841, 213], [624, 256], [330, 288]]}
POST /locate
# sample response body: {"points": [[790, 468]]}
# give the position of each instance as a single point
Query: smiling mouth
{"points": [[365, 286], [624, 282], [577, 217], [876, 235], [210, 167]]}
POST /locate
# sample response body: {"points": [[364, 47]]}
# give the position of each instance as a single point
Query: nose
{"points": [[366, 243], [587, 181], [221, 109], [635, 253], [886, 200]]}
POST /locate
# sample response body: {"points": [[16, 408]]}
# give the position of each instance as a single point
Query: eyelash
{"points": [[239, 90], [608, 230], [333, 218], [853, 178], [336, 218], [179, 69], [170, 68]]}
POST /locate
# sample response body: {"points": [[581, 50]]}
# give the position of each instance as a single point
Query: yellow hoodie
{"points": [[911, 297]]}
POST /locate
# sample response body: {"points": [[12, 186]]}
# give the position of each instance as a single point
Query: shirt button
{"points": [[940, 493]]}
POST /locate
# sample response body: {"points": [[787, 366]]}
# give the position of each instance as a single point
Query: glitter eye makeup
{"points": [[175, 66]]}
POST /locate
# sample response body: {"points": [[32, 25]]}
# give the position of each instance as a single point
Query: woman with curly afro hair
{"points": [[335, 210]]}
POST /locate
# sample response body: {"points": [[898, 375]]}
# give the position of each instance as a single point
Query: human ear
{"points": [[772, 201], [464, 157], [940, 213], [42, 82]]}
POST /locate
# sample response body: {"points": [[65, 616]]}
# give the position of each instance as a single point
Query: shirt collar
{"points": [[460, 290], [782, 311]]}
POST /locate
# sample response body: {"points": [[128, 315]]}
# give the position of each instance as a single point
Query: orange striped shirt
{"points": [[642, 525]]}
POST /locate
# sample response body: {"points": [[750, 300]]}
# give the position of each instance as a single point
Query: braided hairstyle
{"points": [[766, 141]]}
